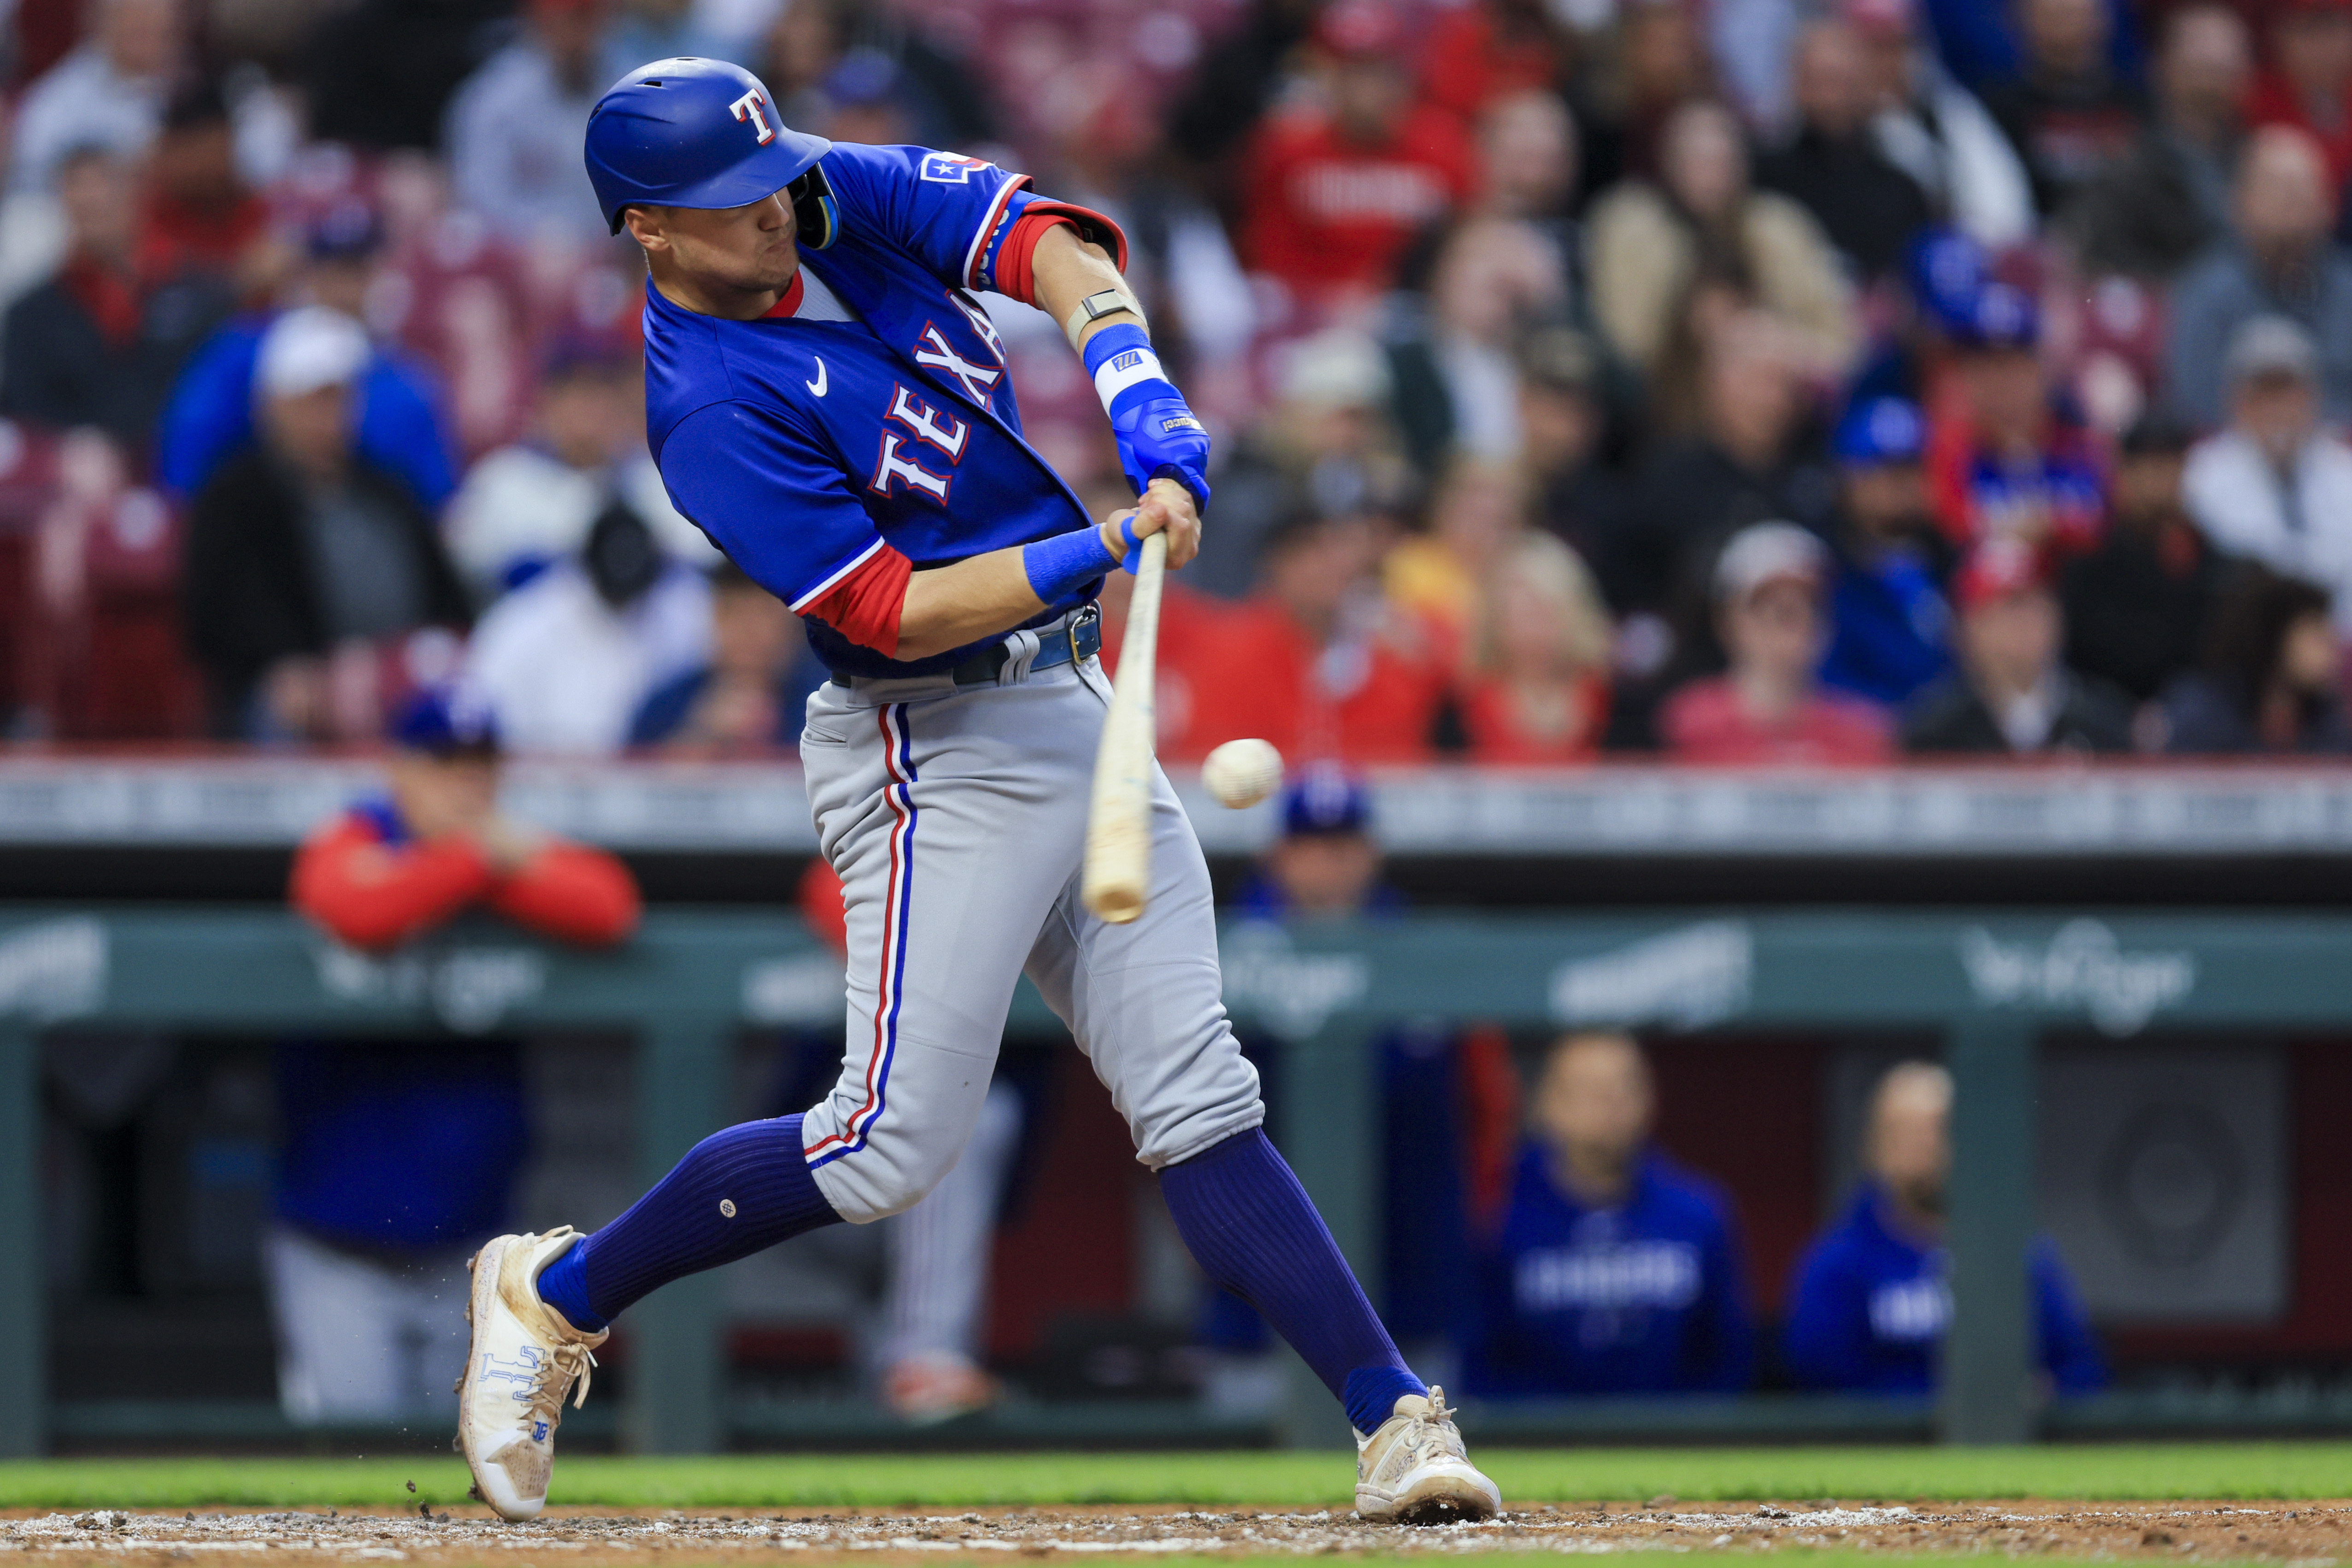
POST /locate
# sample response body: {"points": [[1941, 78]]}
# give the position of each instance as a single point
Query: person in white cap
{"points": [[1770, 705], [298, 551], [2273, 487]]}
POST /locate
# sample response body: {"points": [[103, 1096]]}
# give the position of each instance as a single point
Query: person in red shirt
{"points": [[200, 220], [1479, 53], [1337, 191], [1770, 706], [1535, 688], [1316, 662], [436, 845], [2307, 83]]}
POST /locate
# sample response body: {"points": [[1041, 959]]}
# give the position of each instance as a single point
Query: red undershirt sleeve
{"points": [[865, 606], [372, 894], [1013, 270], [571, 893]]}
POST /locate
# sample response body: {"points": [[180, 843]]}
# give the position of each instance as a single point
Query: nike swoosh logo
{"points": [[817, 386]]}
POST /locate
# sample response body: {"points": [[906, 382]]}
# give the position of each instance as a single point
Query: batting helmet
{"points": [[701, 133]]}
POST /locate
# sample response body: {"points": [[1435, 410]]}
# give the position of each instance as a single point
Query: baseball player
{"points": [[828, 400]]}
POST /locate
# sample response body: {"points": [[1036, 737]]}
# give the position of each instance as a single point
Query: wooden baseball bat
{"points": [[1117, 877]]}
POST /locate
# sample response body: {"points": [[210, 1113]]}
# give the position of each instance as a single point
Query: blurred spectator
{"points": [[2136, 607], [1868, 206], [1944, 276], [2280, 262], [524, 507], [2006, 460], [1870, 1303], [1752, 44], [1335, 192], [822, 53], [1458, 385], [565, 660], [1891, 625], [1563, 422], [752, 694], [1938, 132], [379, 73], [108, 93], [1534, 687], [1232, 84], [94, 345], [1478, 54], [200, 220], [2308, 84], [1616, 1271], [1661, 65], [1316, 661], [1180, 261], [2273, 487], [299, 548], [516, 127], [2067, 111], [1744, 464], [2272, 678], [1327, 442], [1478, 512], [1770, 707], [2013, 694], [399, 1158], [1983, 44], [2158, 206], [641, 31], [1325, 864], [1653, 245], [397, 422]]}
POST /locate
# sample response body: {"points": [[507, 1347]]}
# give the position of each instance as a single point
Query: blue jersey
{"points": [[803, 447], [1646, 1298], [1871, 1306]]}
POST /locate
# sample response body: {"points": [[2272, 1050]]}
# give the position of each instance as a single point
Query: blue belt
{"points": [[1078, 639]]}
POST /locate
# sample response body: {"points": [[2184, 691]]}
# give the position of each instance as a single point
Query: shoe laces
{"points": [[1431, 1432], [567, 1365]]}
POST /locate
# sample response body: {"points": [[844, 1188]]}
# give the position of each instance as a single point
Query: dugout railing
{"points": [[1988, 984]]}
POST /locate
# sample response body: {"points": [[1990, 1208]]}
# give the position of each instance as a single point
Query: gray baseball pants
{"points": [[956, 817]]}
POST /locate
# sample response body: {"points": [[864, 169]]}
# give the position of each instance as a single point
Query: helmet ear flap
{"points": [[813, 211]]}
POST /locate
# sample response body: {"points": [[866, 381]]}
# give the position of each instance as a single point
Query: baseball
{"points": [[1243, 772]]}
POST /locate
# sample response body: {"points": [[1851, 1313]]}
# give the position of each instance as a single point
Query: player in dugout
{"points": [[400, 1156], [1871, 1303], [1615, 1271]]}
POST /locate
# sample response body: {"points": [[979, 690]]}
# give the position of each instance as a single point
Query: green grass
{"points": [[1268, 1479]]}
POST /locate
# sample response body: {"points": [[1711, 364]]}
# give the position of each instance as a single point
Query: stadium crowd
{"points": [[1747, 380]]}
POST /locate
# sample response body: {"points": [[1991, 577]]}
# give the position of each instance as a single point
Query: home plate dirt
{"points": [[2301, 1535]]}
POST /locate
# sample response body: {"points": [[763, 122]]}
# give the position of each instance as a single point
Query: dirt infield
{"points": [[2300, 1535]]}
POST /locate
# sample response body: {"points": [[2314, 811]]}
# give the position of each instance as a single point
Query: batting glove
{"points": [[1158, 434]]}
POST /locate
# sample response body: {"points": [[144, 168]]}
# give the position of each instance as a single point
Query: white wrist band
{"points": [[1124, 370]]}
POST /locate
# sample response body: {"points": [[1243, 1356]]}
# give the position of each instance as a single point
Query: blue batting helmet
{"points": [[697, 133]]}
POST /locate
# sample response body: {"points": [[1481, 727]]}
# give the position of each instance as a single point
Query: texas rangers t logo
{"points": [[747, 109]]}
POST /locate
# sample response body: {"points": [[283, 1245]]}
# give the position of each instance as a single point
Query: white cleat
{"points": [[523, 1360], [1414, 1469]]}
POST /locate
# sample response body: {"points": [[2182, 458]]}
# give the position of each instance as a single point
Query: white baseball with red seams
{"points": [[1241, 773]]}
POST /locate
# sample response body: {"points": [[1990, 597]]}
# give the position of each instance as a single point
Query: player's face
{"points": [[722, 254]]}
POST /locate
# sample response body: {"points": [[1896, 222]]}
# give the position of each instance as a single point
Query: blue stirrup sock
{"points": [[1254, 1230], [736, 1192]]}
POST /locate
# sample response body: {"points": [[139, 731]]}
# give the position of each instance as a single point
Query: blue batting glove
{"points": [[1160, 437], [1158, 434]]}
